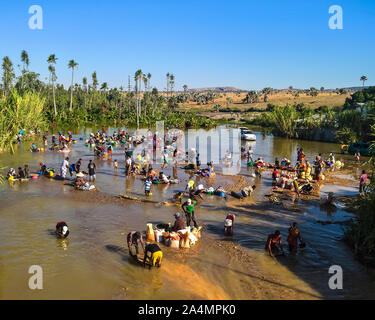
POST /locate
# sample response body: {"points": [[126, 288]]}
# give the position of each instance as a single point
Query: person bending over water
{"points": [[154, 254], [62, 230], [135, 238], [21, 174], [274, 244], [80, 181], [11, 173]]}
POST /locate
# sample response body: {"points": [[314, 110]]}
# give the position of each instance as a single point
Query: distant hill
{"points": [[233, 89], [217, 89]]}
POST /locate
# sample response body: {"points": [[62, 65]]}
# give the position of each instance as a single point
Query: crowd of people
{"points": [[284, 175]]}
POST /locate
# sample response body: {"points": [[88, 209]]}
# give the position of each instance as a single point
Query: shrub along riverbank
{"points": [[19, 112], [360, 234], [30, 111], [348, 124]]}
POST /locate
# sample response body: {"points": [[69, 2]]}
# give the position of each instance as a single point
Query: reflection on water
{"points": [[93, 263]]}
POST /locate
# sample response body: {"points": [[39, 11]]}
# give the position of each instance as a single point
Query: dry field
{"points": [[281, 98]]}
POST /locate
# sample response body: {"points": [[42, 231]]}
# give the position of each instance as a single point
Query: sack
{"points": [[174, 243], [192, 239], [174, 236], [197, 232], [158, 236], [185, 242], [150, 235]]}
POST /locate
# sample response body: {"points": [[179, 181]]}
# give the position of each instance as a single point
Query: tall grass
{"points": [[19, 112], [282, 120]]}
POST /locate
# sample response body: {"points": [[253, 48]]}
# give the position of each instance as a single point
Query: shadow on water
{"points": [[124, 254], [324, 245]]}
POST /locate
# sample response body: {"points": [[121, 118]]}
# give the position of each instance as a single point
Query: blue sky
{"points": [[241, 43]]}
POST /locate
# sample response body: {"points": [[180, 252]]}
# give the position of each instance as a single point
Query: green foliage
{"points": [[282, 120], [362, 96], [346, 136], [19, 112], [361, 232]]}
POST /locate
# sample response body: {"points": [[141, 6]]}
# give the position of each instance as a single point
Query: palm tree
{"points": [[266, 91], [149, 82], [72, 64], [171, 77], [138, 83], [52, 62], [51, 69], [8, 74], [26, 61], [85, 87], [84, 82], [185, 87], [168, 76], [363, 79], [104, 87], [145, 81], [121, 104], [94, 80]]}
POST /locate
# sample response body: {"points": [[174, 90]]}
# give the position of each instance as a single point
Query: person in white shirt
{"points": [[64, 167]]}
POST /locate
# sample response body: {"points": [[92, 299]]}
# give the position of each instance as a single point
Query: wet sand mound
{"points": [[188, 280]]}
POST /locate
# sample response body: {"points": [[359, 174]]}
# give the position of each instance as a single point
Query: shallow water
{"points": [[93, 262]]}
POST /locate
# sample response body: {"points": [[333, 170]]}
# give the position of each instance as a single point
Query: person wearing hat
{"points": [[178, 224], [188, 208], [197, 193], [80, 181], [62, 230]]}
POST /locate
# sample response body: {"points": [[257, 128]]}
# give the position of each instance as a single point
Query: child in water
{"points": [[148, 185]]}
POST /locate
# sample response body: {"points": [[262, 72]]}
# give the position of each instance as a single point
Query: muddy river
{"points": [[93, 262]]}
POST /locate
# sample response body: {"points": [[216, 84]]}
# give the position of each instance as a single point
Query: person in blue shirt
{"points": [[198, 160], [148, 185]]}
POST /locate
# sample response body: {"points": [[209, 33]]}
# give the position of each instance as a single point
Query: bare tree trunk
{"points": [[53, 94], [71, 93]]}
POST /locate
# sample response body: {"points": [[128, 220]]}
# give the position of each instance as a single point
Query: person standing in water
{"points": [[362, 182], [92, 170], [64, 167], [188, 208], [293, 237], [357, 156], [148, 185]]}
